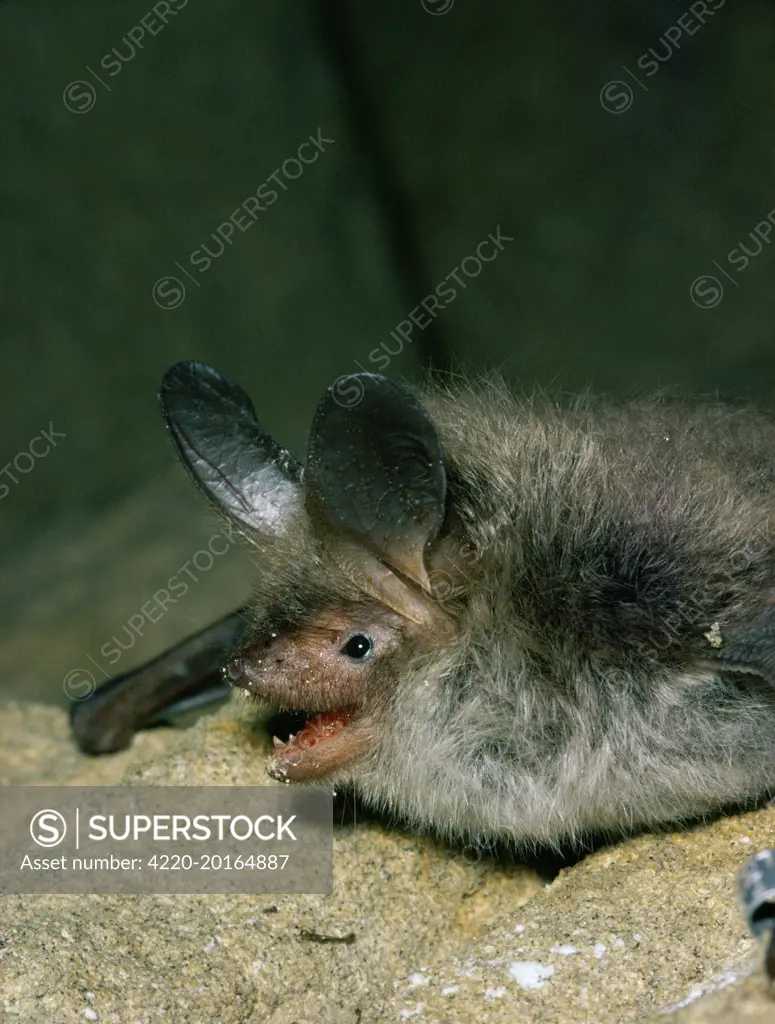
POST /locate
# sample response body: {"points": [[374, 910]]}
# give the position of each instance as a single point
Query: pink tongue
{"points": [[321, 727]]}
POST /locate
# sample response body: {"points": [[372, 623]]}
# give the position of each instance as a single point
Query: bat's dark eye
{"points": [[233, 670], [358, 647]]}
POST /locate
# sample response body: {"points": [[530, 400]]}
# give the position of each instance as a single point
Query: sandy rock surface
{"points": [[413, 930], [644, 930]]}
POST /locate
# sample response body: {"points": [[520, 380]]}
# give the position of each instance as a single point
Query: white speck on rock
{"points": [[618, 944], [468, 970], [418, 979], [90, 995], [519, 928], [744, 839], [209, 947], [450, 990], [406, 1014], [90, 1014], [599, 950], [495, 993], [564, 950], [696, 991], [530, 974], [727, 978]]}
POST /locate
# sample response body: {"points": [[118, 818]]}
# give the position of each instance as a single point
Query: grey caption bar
{"points": [[166, 839]]}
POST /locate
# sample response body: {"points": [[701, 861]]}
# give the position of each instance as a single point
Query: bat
{"points": [[499, 617]]}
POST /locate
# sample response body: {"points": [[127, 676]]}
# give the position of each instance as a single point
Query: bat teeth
{"points": [[277, 743]]}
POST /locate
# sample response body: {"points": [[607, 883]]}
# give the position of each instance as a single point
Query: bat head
{"points": [[358, 576]]}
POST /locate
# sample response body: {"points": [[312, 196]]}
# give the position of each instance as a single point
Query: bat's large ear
{"points": [[230, 456], [375, 472]]}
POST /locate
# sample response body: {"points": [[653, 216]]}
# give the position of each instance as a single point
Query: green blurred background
{"points": [[627, 149]]}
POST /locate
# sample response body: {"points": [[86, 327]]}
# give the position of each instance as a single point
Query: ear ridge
{"points": [[380, 582], [238, 465]]}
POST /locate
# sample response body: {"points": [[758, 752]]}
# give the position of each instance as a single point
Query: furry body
{"points": [[503, 618], [601, 545]]}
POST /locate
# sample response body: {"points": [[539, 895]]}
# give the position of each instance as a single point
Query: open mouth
{"points": [[318, 742], [324, 742]]}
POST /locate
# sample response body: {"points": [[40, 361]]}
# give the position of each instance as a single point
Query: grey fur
{"points": [[567, 608], [577, 691]]}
